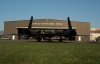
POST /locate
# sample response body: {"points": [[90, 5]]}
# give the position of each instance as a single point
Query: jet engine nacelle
{"points": [[70, 33], [30, 32], [49, 33]]}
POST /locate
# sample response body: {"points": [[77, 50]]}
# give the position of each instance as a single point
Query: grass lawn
{"points": [[20, 52]]}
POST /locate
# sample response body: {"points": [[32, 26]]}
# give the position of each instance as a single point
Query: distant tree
{"points": [[1, 33]]}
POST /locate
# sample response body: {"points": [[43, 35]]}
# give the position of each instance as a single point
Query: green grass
{"points": [[48, 53]]}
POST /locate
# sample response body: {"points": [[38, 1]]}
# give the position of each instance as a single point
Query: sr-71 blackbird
{"points": [[68, 33]]}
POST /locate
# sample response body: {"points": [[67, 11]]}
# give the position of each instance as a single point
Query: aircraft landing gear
{"points": [[49, 40], [60, 40], [39, 38]]}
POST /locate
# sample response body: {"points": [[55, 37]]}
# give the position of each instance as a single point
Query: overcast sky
{"points": [[77, 10]]}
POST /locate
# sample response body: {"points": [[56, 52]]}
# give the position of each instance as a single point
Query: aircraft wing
{"points": [[50, 34]]}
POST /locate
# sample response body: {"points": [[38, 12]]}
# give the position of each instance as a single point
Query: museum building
{"points": [[12, 28]]}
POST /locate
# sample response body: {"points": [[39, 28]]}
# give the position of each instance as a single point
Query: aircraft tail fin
{"points": [[30, 23], [69, 23]]}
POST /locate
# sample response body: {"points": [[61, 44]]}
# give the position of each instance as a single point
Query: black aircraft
{"points": [[68, 33]]}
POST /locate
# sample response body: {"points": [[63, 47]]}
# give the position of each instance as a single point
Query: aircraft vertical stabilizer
{"points": [[30, 23], [69, 23]]}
